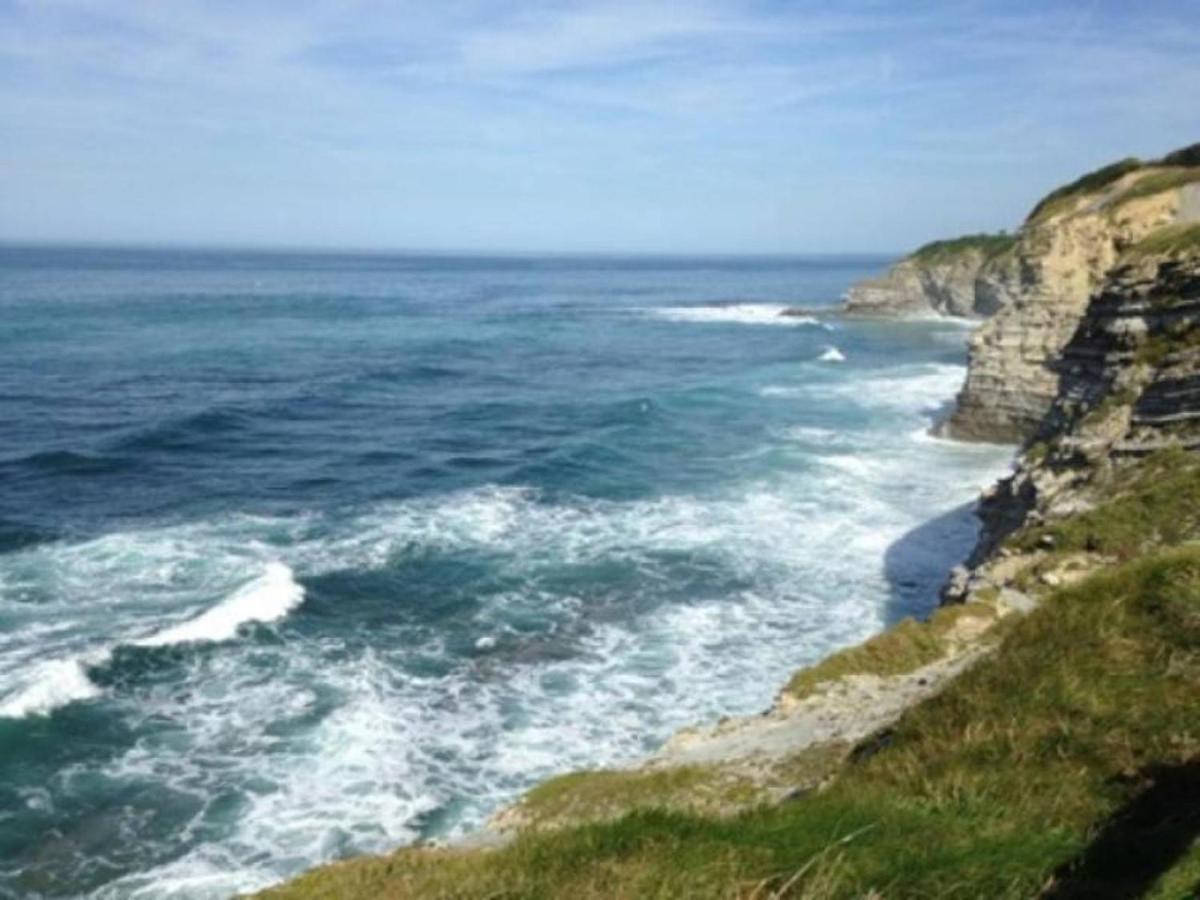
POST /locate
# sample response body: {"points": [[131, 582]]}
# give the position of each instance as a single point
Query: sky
{"points": [[705, 127]]}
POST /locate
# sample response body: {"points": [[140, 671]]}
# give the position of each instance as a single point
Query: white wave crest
{"points": [[832, 354], [50, 684], [736, 313], [268, 598], [45, 686], [780, 390]]}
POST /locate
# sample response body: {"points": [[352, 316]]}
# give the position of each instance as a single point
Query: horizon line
{"points": [[446, 252]]}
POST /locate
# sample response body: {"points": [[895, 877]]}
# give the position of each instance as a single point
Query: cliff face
{"points": [[1034, 286], [969, 277], [1062, 258], [1128, 391]]}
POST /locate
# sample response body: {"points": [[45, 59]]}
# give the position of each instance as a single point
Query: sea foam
{"points": [[266, 599], [47, 685], [333, 745], [736, 313]]}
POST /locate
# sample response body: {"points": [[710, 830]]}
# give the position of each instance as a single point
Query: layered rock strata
{"points": [[1012, 370], [1033, 287], [974, 278], [1129, 387]]}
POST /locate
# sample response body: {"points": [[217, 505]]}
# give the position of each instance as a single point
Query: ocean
{"points": [[306, 555]]}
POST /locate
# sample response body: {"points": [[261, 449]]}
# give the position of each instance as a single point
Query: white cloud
{"points": [[389, 107]]}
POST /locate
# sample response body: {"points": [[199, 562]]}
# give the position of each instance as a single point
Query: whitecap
{"points": [[737, 313], [268, 598], [832, 354], [49, 685], [811, 434]]}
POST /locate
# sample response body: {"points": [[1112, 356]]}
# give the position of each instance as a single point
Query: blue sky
{"points": [[591, 126]]}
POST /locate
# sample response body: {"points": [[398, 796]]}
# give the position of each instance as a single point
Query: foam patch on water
{"points": [[832, 354], [735, 313]]}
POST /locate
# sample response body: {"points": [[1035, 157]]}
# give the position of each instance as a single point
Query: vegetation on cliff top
{"points": [[1085, 184], [709, 789], [1066, 764], [944, 251], [1153, 505], [1179, 168], [904, 648], [1156, 183]]}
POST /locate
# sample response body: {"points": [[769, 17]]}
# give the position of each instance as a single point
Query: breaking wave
{"points": [[736, 313]]}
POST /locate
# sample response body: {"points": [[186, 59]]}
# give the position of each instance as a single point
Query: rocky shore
{"points": [[1086, 383]]}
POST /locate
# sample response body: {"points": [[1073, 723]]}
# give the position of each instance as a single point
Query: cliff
{"points": [[1128, 394], [1034, 286], [968, 276], [1064, 252]]}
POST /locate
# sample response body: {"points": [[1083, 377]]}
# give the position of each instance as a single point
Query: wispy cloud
{"points": [[578, 124]]}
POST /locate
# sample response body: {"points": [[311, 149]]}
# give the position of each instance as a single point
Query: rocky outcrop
{"points": [[1013, 373], [968, 277], [1034, 286], [1128, 388]]}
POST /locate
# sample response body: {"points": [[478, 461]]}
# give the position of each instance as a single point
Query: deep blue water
{"points": [[306, 555]]}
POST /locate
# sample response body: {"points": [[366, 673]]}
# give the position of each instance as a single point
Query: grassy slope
{"points": [[1157, 182], [986, 790]]}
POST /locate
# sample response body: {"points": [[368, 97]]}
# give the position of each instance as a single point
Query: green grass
{"points": [[1173, 240], [1184, 156], [589, 796], [986, 790], [1156, 504], [1058, 199], [990, 245], [904, 648], [592, 796]]}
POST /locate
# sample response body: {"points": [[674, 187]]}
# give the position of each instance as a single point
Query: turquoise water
{"points": [[302, 556]]}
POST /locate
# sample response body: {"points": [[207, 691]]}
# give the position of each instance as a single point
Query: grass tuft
{"points": [[904, 648]]}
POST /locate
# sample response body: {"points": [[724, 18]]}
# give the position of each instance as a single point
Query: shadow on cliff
{"points": [[917, 564], [1138, 843]]}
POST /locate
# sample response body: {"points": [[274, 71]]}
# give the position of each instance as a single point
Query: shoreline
{"points": [[816, 732]]}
